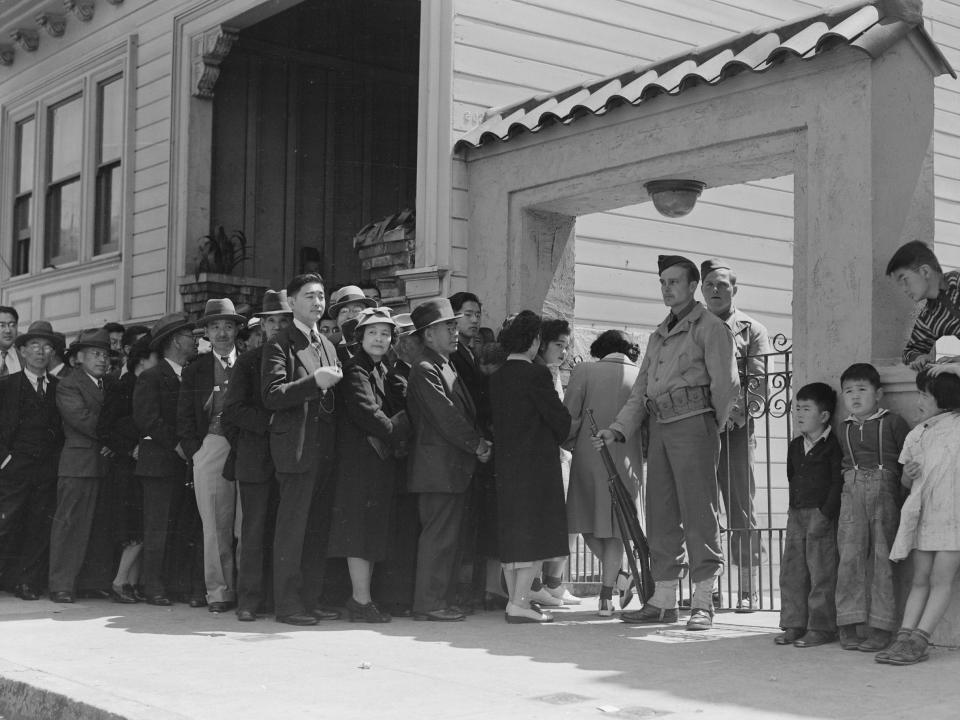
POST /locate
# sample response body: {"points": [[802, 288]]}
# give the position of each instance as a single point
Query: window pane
{"points": [[63, 224], [26, 136], [21, 235], [66, 138], [108, 210], [111, 119]]}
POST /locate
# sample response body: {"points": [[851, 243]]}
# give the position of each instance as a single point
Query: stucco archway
{"points": [[843, 101]]}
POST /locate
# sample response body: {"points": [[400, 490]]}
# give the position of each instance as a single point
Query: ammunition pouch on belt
{"points": [[680, 403]]}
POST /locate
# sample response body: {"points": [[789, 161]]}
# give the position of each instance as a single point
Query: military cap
{"points": [[708, 266], [668, 261]]}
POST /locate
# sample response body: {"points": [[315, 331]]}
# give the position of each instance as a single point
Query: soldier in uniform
{"points": [[687, 385], [738, 442]]}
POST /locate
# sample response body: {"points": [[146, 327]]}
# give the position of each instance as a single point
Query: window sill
{"points": [[75, 268]]}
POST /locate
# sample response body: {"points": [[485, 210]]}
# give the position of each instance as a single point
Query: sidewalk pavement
{"points": [[96, 660]]}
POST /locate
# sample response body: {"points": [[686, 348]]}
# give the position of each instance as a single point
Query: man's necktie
{"points": [[4, 370], [40, 390], [100, 384], [227, 366]]}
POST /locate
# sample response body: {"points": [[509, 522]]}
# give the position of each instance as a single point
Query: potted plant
{"points": [[218, 272]]}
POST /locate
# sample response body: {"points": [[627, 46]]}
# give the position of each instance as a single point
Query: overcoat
{"points": [[80, 401], [155, 398]]}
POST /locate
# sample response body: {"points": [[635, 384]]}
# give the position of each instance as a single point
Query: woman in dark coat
{"points": [[370, 425], [529, 423], [119, 435]]}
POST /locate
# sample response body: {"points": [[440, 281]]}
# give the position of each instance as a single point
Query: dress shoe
{"points": [[119, 595], [324, 613], [789, 636], [561, 593], [876, 641], [400, 611], [95, 595], [748, 603], [368, 612], [700, 619], [302, 619], [246, 615], [136, 591], [516, 614], [61, 596], [606, 607], [442, 615], [814, 638], [25, 592], [544, 598], [221, 606], [626, 587], [650, 614], [849, 640], [197, 601], [161, 600]]}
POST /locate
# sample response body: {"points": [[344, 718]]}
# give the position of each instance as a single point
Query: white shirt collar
{"points": [[177, 367], [808, 446], [33, 377], [93, 379], [519, 356], [231, 356], [13, 360], [304, 328]]}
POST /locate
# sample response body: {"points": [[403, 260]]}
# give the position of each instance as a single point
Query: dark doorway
{"points": [[315, 132]]}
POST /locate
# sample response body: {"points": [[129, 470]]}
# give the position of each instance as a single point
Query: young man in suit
{"points": [[30, 443], [298, 372], [246, 422], [199, 427], [162, 462], [445, 450], [9, 359], [84, 464]]}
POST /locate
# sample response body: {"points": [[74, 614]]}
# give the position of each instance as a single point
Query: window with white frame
{"points": [[66, 172]]}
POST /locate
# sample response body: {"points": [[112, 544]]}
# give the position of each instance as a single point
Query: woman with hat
{"points": [[371, 423], [529, 423]]}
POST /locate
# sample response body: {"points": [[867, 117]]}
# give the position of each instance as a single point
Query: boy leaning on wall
{"points": [[917, 272]]}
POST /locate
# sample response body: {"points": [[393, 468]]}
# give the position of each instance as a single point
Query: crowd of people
{"points": [[319, 456]]}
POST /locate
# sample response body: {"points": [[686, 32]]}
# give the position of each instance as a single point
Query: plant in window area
{"points": [[220, 252]]}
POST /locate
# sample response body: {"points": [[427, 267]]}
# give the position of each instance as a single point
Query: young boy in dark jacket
{"points": [[808, 571]]}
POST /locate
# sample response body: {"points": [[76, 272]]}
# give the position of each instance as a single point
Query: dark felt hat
{"points": [[346, 295], [668, 261], [708, 266], [38, 330], [167, 326], [433, 311], [275, 303], [92, 338], [221, 309]]}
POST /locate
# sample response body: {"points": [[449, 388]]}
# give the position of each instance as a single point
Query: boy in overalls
{"points": [[871, 438]]}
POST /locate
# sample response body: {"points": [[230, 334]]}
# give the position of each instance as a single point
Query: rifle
{"points": [[624, 509]]}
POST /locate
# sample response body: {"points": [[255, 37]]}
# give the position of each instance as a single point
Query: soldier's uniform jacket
{"points": [[688, 370], [751, 340]]}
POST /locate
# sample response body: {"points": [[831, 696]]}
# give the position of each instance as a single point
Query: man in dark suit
{"points": [[30, 443], [84, 465], [162, 462], [445, 450], [202, 392], [246, 422], [298, 374]]}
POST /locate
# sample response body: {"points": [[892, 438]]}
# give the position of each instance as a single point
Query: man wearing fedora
{"points": [[298, 372], [687, 385], [30, 441], [200, 429], [246, 421], [84, 464], [345, 305], [446, 448], [162, 462]]}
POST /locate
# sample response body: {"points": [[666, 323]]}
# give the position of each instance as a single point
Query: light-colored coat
{"points": [[79, 402], [602, 387]]}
